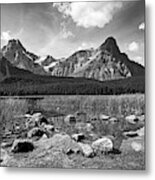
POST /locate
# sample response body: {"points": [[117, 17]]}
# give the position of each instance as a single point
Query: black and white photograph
{"points": [[72, 85]]}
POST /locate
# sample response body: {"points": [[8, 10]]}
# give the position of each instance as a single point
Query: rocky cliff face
{"points": [[17, 55], [104, 63]]}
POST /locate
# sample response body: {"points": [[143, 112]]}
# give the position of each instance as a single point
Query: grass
{"points": [[118, 106], [113, 105]]}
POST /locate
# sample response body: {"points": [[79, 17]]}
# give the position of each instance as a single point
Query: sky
{"points": [[60, 29]]}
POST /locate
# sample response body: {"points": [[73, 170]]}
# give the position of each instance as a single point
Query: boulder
{"points": [[136, 146], [84, 127], [89, 127], [117, 142], [78, 137], [37, 119], [80, 126], [35, 132], [61, 142], [48, 127], [70, 119], [131, 134], [6, 144], [65, 143], [17, 128], [81, 116], [4, 157], [104, 117], [43, 120], [113, 120], [22, 146], [93, 136], [94, 119], [86, 149], [30, 124], [44, 137], [141, 118], [141, 131], [103, 144], [133, 119], [37, 116]]}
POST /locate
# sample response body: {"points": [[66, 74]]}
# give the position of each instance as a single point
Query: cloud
{"points": [[133, 46], [139, 60], [65, 33], [85, 45], [141, 26], [5, 36], [82, 46], [89, 14]]}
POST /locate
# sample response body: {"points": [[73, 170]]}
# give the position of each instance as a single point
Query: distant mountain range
{"points": [[104, 70], [104, 63]]}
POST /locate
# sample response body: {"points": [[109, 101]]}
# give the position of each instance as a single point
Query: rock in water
{"points": [[86, 149], [103, 144], [22, 145]]}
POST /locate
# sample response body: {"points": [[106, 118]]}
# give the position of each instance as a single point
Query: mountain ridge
{"points": [[106, 62]]}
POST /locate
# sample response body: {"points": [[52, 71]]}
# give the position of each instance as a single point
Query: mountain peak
{"points": [[13, 44], [16, 43], [110, 45]]}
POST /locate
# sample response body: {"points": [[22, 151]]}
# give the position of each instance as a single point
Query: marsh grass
{"points": [[120, 105]]}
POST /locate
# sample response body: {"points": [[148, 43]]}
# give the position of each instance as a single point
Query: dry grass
{"points": [[111, 105], [117, 106]]}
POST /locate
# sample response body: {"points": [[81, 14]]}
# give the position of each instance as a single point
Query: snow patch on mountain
{"points": [[40, 60], [46, 68]]}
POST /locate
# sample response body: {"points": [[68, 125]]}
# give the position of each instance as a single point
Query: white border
{"points": [[55, 174]]}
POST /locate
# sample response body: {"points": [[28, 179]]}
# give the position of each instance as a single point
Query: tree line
{"points": [[11, 87]]}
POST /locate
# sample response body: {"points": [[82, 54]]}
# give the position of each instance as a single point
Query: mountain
{"points": [[47, 62], [16, 81], [19, 57], [7, 70], [106, 62]]}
